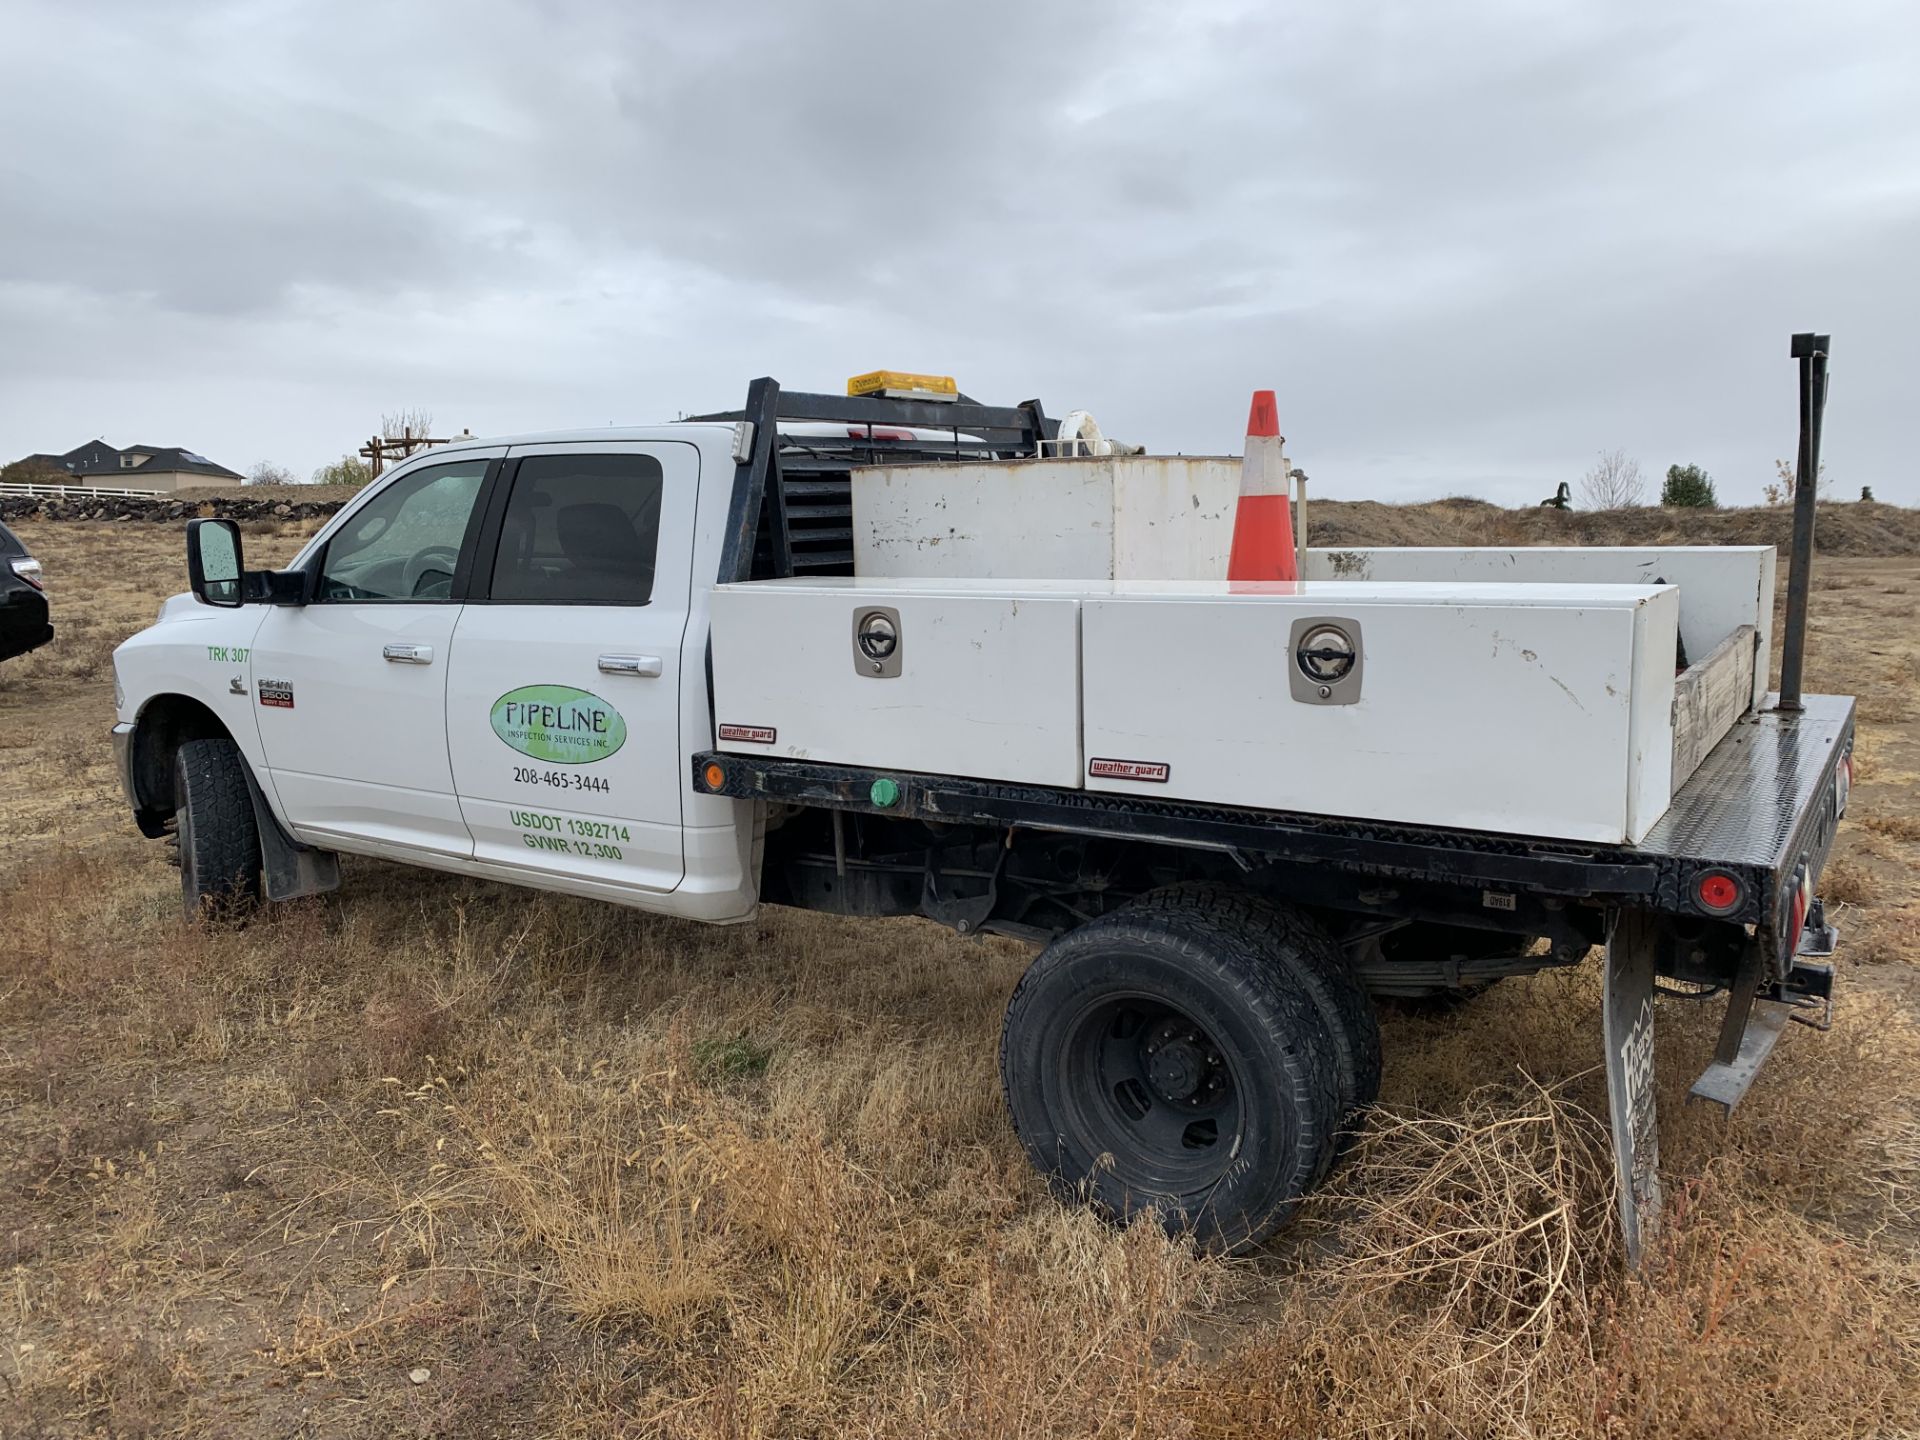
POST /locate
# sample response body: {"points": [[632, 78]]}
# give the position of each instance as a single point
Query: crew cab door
{"points": [[563, 699], [350, 690]]}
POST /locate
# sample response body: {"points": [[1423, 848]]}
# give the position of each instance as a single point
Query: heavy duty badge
{"points": [[277, 693]]}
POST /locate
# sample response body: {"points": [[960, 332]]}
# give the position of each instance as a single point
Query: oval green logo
{"points": [[559, 723]]}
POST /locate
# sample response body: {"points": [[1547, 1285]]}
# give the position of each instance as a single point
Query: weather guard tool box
{"points": [[1530, 709]]}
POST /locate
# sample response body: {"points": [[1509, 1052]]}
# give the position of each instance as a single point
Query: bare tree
{"points": [[409, 424], [1789, 477], [1614, 483], [268, 473]]}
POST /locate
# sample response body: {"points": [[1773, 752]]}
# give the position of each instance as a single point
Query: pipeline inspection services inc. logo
{"points": [[558, 723]]}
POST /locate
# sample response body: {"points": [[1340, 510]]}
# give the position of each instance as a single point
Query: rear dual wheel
{"points": [[1192, 1056]]}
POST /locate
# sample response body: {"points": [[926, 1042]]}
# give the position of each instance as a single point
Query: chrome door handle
{"points": [[645, 666], [409, 654]]}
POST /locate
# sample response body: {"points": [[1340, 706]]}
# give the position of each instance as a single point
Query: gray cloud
{"points": [[1469, 244]]}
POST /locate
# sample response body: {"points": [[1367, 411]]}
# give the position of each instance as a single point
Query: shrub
{"points": [[1688, 487], [349, 469], [33, 472]]}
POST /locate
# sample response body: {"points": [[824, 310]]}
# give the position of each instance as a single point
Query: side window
{"points": [[404, 544], [579, 530]]}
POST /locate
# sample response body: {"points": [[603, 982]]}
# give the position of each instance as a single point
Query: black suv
{"points": [[23, 600]]}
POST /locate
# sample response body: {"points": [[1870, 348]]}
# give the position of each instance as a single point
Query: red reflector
{"points": [[1718, 892], [877, 432]]}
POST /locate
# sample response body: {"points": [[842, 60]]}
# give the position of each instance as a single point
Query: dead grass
{"points": [[1847, 882], [1904, 828], [601, 1175]]}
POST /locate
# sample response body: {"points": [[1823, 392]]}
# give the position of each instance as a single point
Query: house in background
{"points": [[138, 467]]}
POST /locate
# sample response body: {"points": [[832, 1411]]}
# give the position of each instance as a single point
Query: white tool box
{"points": [[1722, 587], [1536, 709], [981, 679], [1530, 709], [1109, 517]]}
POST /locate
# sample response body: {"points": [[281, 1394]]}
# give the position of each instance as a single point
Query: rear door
{"points": [[350, 690], [563, 698]]}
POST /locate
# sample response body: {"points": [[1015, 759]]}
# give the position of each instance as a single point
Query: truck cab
{"points": [[493, 661]]}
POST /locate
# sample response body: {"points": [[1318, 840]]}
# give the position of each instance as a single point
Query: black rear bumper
{"points": [[23, 621]]}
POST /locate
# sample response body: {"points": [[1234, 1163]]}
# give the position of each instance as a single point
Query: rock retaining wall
{"points": [[161, 509]]}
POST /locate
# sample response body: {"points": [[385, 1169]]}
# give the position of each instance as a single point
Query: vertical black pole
{"points": [[1811, 351]]}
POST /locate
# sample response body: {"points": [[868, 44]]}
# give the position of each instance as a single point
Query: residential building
{"points": [[138, 467]]}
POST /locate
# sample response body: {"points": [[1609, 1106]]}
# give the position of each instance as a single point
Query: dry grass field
{"points": [[594, 1174]]}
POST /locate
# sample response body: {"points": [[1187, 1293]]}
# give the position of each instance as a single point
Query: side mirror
{"points": [[214, 565]]}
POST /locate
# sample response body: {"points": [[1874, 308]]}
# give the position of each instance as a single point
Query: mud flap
{"points": [[289, 868], [1628, 1010]]}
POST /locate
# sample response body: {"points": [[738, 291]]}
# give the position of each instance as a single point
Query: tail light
{"points": [[28, 569], [1717, 893], [877, 432]]}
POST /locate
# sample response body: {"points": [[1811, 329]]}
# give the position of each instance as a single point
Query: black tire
{"points": [[218, 838], [1314, 961], [1157, 1060]]}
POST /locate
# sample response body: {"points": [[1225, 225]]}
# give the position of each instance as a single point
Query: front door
{"points": [[350, 690], [563, 699]]}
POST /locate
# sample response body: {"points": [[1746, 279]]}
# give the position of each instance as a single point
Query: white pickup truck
{"points": [[648, 666]]}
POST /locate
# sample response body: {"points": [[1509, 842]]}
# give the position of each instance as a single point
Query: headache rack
{"points": [[792, 508]]}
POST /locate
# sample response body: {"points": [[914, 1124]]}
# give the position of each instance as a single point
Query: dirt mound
{"points": [[1862, 528]]}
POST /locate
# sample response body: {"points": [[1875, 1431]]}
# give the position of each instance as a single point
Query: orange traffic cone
{"points": [[1263, 523]]}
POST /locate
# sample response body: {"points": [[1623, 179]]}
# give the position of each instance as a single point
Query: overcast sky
{"points": [[1470, 244]]}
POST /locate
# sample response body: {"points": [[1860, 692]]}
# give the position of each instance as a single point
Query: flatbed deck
{"points": [[1763, 800]]}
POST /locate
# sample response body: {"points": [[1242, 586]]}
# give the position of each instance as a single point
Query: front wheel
{"points": [[218, 836], [1157, 1061]]}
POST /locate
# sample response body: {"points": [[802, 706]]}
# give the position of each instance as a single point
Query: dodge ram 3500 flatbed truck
{"points": [[503, 659]]}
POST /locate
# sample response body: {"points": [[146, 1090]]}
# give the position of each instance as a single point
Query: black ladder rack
{"points": [[792, 506]]}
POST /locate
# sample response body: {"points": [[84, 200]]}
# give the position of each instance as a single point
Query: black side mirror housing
{"points": [[215, 566], [217, 573]]}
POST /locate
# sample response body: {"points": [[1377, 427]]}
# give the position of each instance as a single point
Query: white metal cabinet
{"points": [[564, 719], [1722, 587], [1126, 517], [987, 680], [1533, 709]]}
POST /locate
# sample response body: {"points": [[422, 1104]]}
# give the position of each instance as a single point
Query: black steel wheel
{"points": [[219, 840], [1142, 1080], [1157, 1060], [1312, 960]]}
